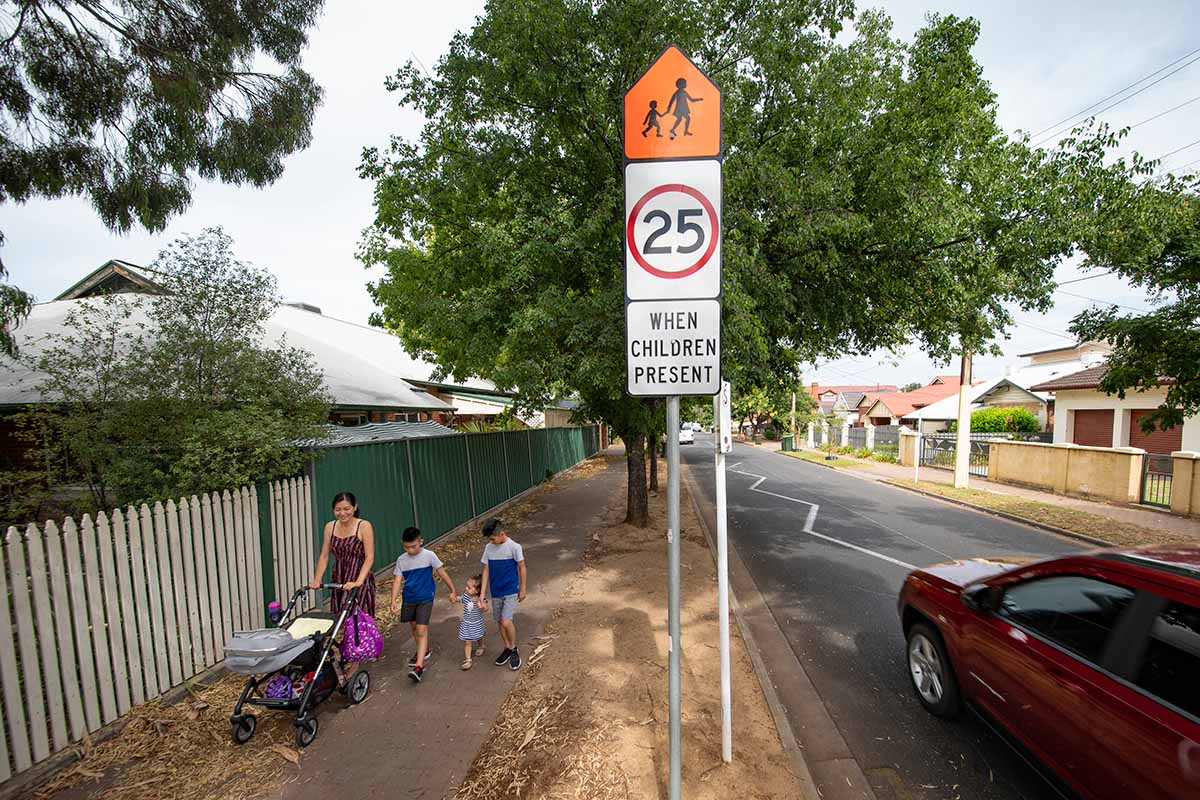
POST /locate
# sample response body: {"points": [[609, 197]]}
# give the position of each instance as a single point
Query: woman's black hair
{"points": [[349, 498]]}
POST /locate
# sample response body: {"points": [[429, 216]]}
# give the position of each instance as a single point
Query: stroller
{"points": [[293, 668]]}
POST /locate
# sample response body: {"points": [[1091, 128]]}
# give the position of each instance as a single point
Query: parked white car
{"points": [[687, 435]]}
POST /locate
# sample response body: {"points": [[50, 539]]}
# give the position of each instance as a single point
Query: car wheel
{"points": [[932, 675]]}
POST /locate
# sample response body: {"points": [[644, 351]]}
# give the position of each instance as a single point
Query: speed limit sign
{"points": [[673, 230]]}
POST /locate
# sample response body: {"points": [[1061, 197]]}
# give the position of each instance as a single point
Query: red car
{"points": [[1090, 662]]}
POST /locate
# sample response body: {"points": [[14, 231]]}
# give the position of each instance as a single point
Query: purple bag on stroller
{"points": [[362, 640]]}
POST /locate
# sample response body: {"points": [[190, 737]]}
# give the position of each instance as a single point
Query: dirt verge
{"points": [[588, 719]]}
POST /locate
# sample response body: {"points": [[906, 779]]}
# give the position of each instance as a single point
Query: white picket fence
{"points": [[106, 614]]}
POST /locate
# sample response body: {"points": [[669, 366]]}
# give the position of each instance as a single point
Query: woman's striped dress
{"points": [[349, 553], [472, 627]]}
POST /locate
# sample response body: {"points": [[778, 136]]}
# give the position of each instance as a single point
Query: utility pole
{"points": [[673, 644], [962, 446]]}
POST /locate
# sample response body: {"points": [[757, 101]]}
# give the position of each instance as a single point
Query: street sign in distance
{"points": [[673, 229], [673, 347], [725, 418]]}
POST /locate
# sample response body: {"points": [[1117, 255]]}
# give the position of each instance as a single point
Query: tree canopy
{"points": [[1153, 240], [870, 197], [123, 102]]}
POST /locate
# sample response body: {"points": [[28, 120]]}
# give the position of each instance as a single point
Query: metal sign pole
{"points": [[721, 415], [673, 644]]}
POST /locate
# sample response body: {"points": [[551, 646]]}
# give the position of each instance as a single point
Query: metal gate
{"points": [[937, 450], [1157, 472]]}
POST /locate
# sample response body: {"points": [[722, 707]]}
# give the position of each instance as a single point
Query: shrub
{"points": [[862, 452], [845, 449], [1002, 420], [887, 458], [771, 434]]}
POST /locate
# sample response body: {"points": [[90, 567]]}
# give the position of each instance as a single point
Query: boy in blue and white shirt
{"points": [[504, 576], [414, 571]]}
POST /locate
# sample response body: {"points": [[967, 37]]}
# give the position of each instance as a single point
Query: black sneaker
{"points": [[514, 661], [412, 661], [502, 659], [416, 673]]}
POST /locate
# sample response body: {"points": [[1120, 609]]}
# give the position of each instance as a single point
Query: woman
{"points": [[352, 542]]}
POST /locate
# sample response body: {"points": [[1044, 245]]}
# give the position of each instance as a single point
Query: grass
{"points": [[840, 463], [1106, 529]]}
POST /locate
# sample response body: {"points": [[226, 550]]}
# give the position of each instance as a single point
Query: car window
{"points": [[1170, 669], [1072, 611]]}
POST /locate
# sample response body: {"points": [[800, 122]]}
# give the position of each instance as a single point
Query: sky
{"points": [[1045, 60]]}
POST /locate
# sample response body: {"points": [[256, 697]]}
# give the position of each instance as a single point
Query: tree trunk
{"points": [[637, 511], [652, 442]]}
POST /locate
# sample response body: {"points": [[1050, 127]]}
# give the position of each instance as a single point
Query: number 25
{"points": [[682, 225]]}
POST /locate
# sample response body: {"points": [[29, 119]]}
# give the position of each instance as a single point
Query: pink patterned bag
{"points": [[362, 640]]}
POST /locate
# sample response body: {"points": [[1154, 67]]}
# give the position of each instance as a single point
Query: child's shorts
{"points": [[416, 612], [503, 607]]}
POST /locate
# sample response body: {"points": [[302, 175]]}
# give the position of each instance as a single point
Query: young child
{"points": [[472, 628], [504, 579], [651, 120], [414, 572]]}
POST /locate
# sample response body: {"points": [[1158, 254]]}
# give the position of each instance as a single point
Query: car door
{"points": [[1034, 664], [1147, 729]]}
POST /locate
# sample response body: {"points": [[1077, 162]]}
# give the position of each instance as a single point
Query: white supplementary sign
{"points": [[725, 418], [673, 230], [673, 347]]}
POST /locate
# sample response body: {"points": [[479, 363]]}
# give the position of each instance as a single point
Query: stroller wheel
{"points": [[360, 686], [243, 728], [306, 731]]}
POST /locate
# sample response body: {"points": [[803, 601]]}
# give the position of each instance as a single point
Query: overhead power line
{"points": [[1059, 334], [1102, 302], [1119, 91], [1178, 150], [1164, 113], [1085, 278], [1060, 131]]}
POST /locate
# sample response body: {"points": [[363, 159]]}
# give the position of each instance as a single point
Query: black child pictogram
{"points": [[651, 120], [683, 113]]}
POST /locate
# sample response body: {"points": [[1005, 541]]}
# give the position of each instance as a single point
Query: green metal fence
{"points": [[438, 483]]}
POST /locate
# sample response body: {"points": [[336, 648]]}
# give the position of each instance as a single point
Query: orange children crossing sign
{"points": [[672, 111], [672, 230]]}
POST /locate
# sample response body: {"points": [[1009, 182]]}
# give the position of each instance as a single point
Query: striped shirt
{"points": [[472, 627]]}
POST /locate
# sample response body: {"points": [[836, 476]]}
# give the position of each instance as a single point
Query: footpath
{"points": [[1103, 522], [586, 716]]}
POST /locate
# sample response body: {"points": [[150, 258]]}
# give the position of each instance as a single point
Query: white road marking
{"points": [[812, 518]]}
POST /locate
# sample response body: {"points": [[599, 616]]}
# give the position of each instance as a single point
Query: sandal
{"points": [[479, 650], [466, 664]]}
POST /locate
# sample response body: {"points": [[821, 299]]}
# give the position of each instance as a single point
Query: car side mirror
{"points": [[979, 597]]}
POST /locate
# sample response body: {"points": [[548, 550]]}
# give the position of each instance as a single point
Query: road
{"points": [[832, 591]]}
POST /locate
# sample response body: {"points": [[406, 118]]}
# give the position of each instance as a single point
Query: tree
{"points": [[770, 401], [1152, 240], [870, 198], [911, 387], [175, 394], [122, 103]]}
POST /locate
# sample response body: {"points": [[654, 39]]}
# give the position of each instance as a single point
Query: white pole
{"points": [[674, 646], [962, 446], [920, 445], [722, 414]]}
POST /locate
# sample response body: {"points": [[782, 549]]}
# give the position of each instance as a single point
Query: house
{"points": [[1084, 415], [843, 401], [936, 417], [368, 373], [890, 408]]}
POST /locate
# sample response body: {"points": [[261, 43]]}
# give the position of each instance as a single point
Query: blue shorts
{"points": [[503, 607]]}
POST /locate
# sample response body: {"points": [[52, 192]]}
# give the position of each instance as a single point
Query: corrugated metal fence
{"points": [[438, 483], [102, 615]]}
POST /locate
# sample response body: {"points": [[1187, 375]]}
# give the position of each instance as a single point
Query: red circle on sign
{"points": [[637, 208]]}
